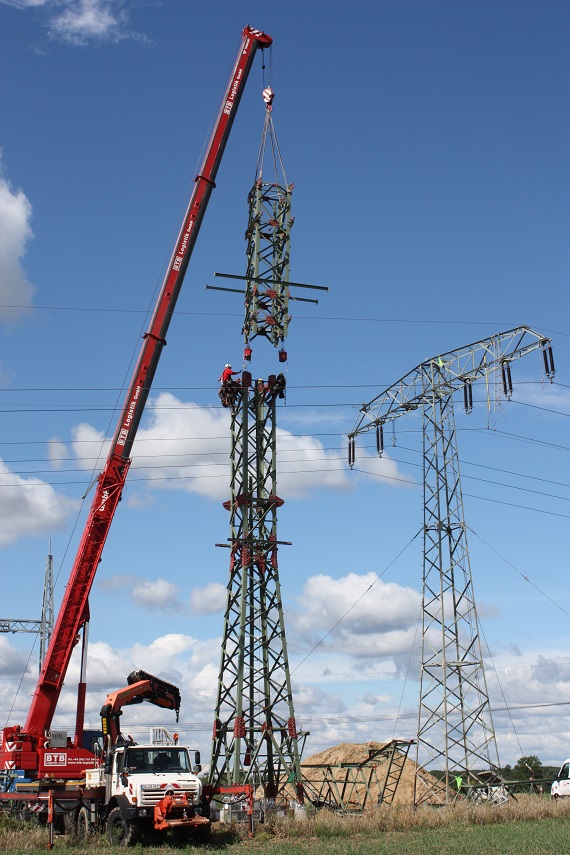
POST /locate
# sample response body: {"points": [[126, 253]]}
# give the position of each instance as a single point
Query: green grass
{"points": [[528, 827]]}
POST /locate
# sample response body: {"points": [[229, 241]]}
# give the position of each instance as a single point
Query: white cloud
{"points": [[155, 595], [368, 617], [82, 22], [11, 662], [57, 452], [209, 599], [547, 396], [339, 712], [160, 594], [85, 20], [29, 506], [140, 500], [15, 216], [184, 446], [162, 656]]}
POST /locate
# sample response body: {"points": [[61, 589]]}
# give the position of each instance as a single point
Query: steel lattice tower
{"points": [[47, 608], [454, 721], [255, 735], [455, 727], [268, 235], [44, 626]]}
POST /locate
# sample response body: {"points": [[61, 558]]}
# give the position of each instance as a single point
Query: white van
{"points": [[561, 786]]}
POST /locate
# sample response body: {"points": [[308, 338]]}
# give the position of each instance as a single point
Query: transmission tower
{"points": [[255, 734], [44, 626], [255, 737], [455, 727]]}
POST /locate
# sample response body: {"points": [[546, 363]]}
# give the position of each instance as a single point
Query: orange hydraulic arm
{"points": [[141, 687], [72, 614]]}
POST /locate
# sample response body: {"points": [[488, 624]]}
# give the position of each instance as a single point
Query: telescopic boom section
{"points": [[112, 479], [141, 687]]}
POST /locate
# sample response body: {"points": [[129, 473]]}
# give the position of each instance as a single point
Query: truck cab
{"points": [[142, 775], [561, 786]]}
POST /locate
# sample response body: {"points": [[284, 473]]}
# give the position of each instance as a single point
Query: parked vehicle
{"points": [[561, 786]]}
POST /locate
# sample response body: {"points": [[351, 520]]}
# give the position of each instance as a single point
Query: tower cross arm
{"points": [[449, 372]]}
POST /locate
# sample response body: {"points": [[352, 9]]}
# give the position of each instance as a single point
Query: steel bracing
{"points": [[455, 727], [354, 786], [255, 736]]}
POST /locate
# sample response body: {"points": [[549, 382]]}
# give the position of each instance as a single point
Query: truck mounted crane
{"points": [[29, 749]]}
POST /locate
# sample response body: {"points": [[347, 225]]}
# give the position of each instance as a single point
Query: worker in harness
{"points": [[228, 386]]}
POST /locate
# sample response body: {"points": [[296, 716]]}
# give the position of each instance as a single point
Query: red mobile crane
{"points": [[28, 748]]}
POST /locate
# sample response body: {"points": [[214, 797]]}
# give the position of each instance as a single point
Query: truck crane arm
{"points": [[73, 612], [141, 687]]}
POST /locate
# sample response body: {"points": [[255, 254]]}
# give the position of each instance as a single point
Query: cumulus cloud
{"points": [[158, 594], [150, 595], [209, 599], [368, 617], [185, 446], [83, 22], [15, 217], [11, 662], [534, 686], [528, 693], [29, 506], [57, 452]]}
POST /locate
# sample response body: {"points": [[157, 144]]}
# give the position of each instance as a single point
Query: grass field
{"points": [[530, 826]]}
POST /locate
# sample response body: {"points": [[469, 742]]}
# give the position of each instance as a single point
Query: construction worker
{"points": [[229, 386], [227, 373]]}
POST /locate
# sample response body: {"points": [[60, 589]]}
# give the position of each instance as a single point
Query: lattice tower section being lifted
{"points": [[455, 726], [255, 737]]}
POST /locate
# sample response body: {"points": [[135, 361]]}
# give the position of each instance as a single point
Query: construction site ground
{"points": [[533, 825]]}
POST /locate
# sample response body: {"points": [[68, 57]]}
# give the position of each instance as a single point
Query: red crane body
{"points": [[23, 748]]}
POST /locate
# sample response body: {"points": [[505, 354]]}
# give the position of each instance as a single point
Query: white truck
{"points": [[561, 786], [132, 790], [141, 789]]}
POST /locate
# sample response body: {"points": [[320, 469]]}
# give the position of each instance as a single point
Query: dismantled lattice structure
{"points": [[353, 787]]}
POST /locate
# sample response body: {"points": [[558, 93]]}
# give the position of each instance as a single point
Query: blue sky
{"points": [[428, 144]]}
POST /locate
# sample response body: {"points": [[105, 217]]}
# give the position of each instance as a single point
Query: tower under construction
{"points": [[255, 737]]}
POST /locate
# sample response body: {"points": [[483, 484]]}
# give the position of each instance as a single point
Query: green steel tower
{"points": [[255, 738]]}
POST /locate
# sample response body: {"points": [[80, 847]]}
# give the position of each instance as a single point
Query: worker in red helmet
{"points": [[227, 373]]}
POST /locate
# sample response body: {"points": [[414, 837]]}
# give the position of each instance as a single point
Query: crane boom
{"points": [[141, 687], [111, 481]]}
